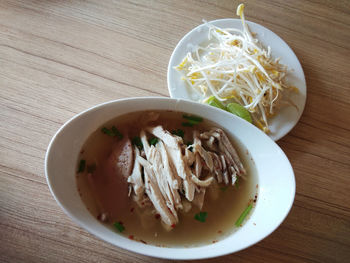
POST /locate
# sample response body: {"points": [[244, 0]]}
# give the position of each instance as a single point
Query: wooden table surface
{"points": [[59, 57]]}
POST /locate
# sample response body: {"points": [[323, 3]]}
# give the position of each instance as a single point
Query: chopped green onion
{"points": [[113, 132], [107, 131], [201, 216], [237, 183], [240, 111], [187, 124], [193, 121], [137, 142], [82, 164], [153, 141], [212, 101], [91, 168], [224, 188], [119, 226], [243, 215], [179, 133], [192, 118], [116, 132]]}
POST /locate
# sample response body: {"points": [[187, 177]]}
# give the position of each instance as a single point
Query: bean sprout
{"points": [[235, 67]]}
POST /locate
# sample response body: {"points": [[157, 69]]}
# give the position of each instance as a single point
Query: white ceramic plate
{"points": [[275, 176], [288, 116]]}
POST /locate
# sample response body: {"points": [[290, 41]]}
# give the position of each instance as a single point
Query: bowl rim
{"points": [[171, 250]]}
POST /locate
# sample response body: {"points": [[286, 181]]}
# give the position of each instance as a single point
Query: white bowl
{"points": [[275, 176], [288, 116]]}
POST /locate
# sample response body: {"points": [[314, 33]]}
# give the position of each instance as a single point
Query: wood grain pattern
{"points": [[58, 58]]}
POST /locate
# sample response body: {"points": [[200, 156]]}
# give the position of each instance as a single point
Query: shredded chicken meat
{"points": [[174, 176]]}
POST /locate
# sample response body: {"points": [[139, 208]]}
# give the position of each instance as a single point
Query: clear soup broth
{"points": [[108, 194]]}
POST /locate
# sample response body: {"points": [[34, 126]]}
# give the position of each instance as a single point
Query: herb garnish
{"points": [[82, 164], [137, 142], [201, 216], [192, 118], [119, 226], [237, 183], [91, 168], [187, 124], [179, 133], [224, 188], [113, 132], [153, 141], [243, 215]]}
